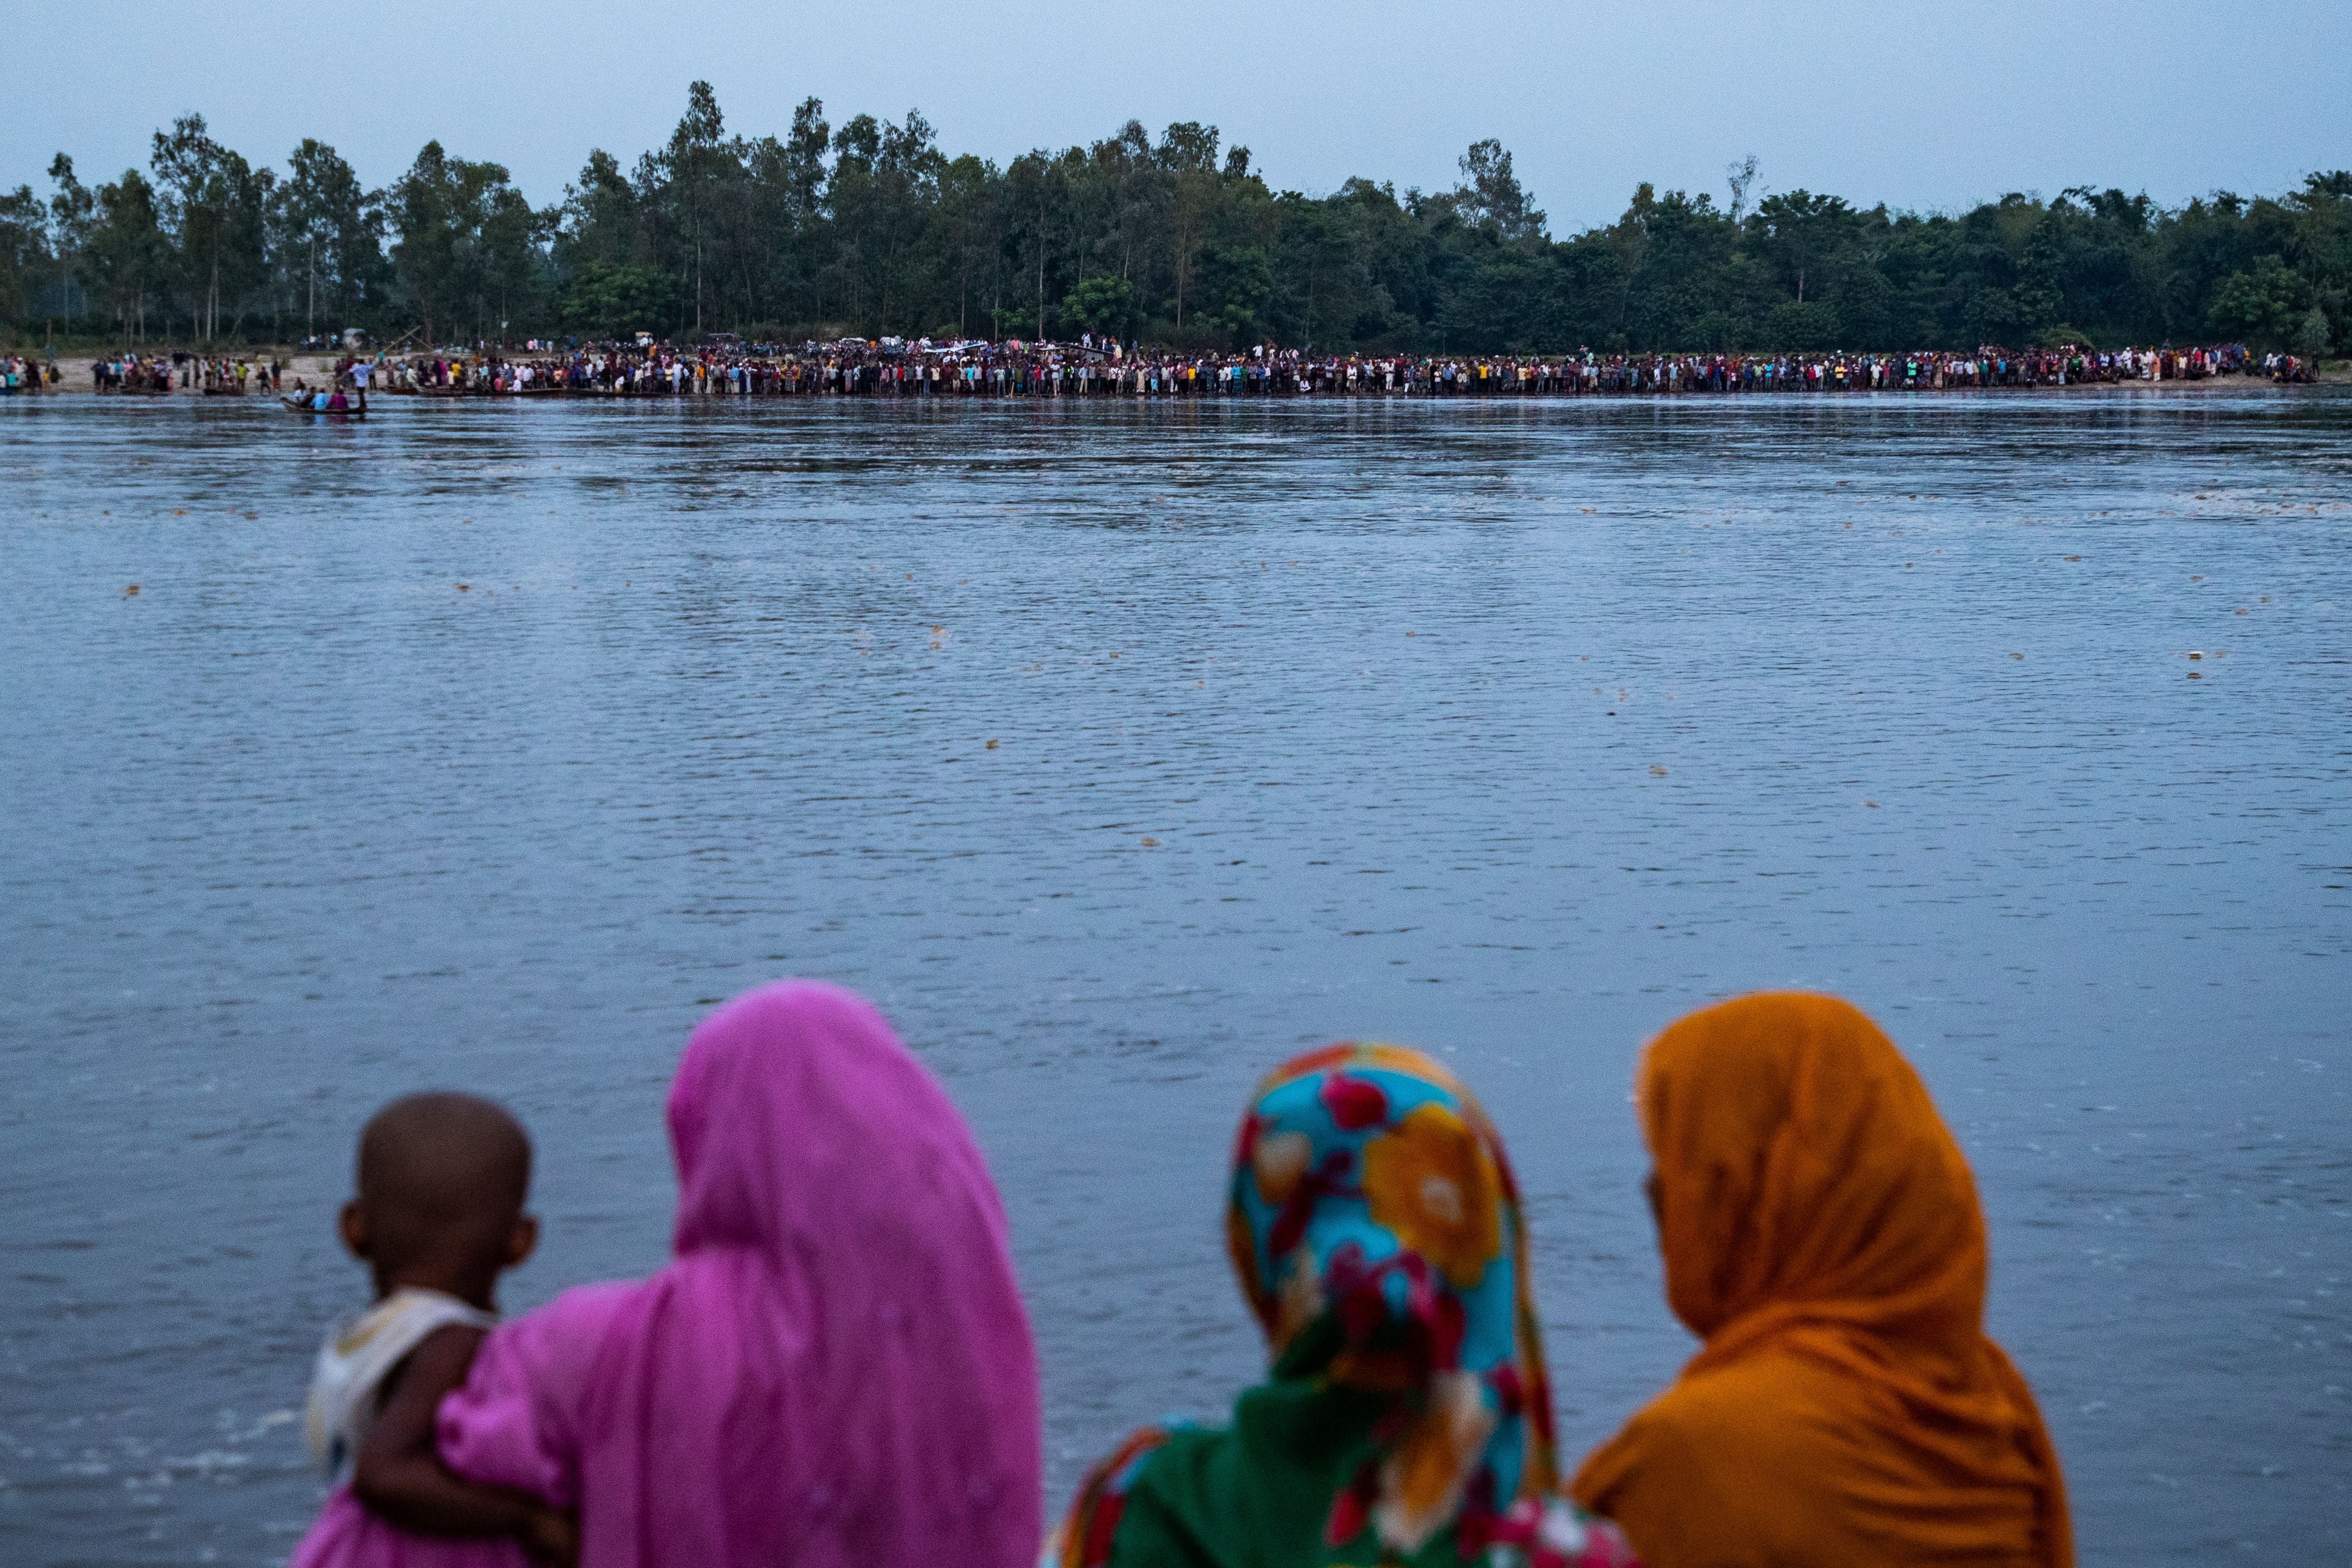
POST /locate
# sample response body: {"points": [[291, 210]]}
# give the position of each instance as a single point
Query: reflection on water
{"points": [[1118, 751]]}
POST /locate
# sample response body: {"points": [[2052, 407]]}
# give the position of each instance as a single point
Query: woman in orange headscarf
{"points": [[1822, 1236]]}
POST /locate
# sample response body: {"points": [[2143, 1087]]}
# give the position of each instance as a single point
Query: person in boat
{"points": [[319, 400], [338, 403], [1823, 1238], [1406, 1418]]}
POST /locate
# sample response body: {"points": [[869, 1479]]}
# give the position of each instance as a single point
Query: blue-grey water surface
{"points": [[1118, 751]]}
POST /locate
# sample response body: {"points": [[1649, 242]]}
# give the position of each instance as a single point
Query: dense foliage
{"points": [[870, 229]]}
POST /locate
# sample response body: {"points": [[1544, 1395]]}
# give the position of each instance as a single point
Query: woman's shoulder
{"points": [[1705, 1443], [516, 1419], [1714, 1412], [575, 1324], [1085, 1536], [586, 1307]]}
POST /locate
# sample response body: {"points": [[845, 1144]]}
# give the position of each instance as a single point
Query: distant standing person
{"points": [[1822, 1236]]}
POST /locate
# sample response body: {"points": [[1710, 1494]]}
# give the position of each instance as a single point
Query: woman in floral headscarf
{"points": [[1377, 1232]]}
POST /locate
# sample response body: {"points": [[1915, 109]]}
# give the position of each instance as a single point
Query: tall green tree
{"points": [[128, 254], [24, 249], [1188, 152], [693, 172], [1489, 196], [332, 237], [73, 212], [215, 209], [1037, 190], [969, 220], [466, 247]]}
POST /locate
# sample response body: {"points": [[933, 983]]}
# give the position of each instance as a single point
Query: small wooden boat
{"points": [[299, 404]]}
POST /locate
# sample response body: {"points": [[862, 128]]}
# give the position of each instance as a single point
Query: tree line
{"points": [[868, 228]]}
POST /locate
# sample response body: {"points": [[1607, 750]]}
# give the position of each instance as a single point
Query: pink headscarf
{"points": [[836, 1369]]}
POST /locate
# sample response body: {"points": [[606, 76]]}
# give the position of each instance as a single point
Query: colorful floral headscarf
{"points": [[1376, 1229], [1371, 1202]]}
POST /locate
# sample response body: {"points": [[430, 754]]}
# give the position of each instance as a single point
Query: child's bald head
{"points": [[443, 1177], [446, 1154]]}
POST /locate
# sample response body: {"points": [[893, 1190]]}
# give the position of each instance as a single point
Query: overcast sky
{"points": [[1919, 106]]}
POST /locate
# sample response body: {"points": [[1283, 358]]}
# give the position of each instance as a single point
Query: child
{"points": [[442, 1180]]}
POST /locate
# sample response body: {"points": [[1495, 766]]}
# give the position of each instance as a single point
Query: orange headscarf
{"points": [[1821, 1235]]}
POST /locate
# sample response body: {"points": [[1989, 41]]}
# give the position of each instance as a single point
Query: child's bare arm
{"points": [[400, 1476]]}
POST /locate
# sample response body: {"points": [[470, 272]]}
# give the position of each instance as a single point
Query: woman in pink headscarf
{"points": [[835, 1369]]}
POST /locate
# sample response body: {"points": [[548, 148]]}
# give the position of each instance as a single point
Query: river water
{"points": [[1118, 752]]}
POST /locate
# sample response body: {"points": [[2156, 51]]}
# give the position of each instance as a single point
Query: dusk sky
{"points": [[1920, 107]]}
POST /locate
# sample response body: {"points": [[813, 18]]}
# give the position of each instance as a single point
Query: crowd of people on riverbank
{"points": [[216, 375], [234, 377], [22, 373], [892, 369], [131, 373], [1018, 370], [837, 1364], [2288, 369]]}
